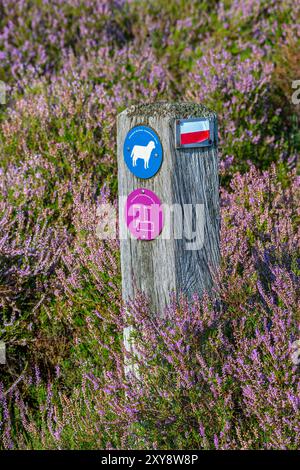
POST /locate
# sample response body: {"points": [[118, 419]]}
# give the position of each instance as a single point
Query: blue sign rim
{"points": [[162, 150]]}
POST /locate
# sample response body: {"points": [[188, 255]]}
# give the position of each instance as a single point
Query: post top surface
{"points": [[177, 110]]}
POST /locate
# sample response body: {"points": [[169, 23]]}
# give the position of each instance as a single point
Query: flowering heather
{"points": [[217, 372]]}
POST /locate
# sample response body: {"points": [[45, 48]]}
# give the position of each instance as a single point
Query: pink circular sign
{"points": [[144, 214]]}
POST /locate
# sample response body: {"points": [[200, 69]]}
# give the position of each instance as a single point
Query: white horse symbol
{"points": [[142, 152]]}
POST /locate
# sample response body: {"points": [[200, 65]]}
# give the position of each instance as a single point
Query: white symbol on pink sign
{"points": [[142, 219]]}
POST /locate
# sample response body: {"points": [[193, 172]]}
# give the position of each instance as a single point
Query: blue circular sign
{"points": [[143, 152]]}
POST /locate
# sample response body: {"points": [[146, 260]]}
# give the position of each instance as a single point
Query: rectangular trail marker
{"points": [[194, 132], [169, 212]]}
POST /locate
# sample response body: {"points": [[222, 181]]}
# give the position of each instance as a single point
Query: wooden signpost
{"points": [[168, 200], [2, 352]]}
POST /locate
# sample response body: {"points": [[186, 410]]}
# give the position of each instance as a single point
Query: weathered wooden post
{"points": [[168, 200], [2, 352]]}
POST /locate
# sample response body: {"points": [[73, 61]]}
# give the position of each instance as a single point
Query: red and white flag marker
{"points": [[193, 133]]}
